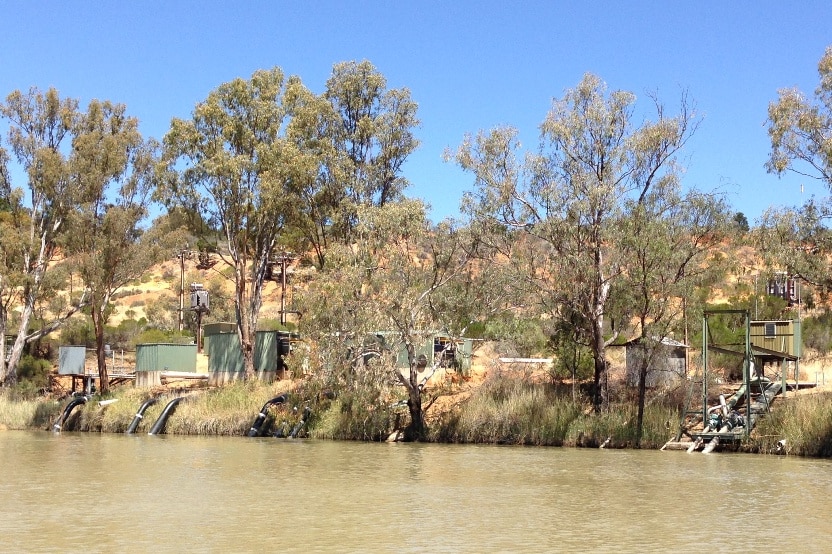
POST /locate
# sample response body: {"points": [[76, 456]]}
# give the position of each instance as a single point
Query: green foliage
{"points": [[572, 360], [365, 401], [33, 372], [516, 336], [799, 128], [741, 222], [817, 332], [154, 336], [78, 332], [271, 324]]}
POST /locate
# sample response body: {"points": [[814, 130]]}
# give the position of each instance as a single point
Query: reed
{"points": [[20, 413], [804, 423], [510, 410], [228, 410]]}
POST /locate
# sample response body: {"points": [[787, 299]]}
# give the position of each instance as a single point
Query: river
{"points": [[77, 492]]}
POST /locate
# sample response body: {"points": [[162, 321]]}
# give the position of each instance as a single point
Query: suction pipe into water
{"points": [[159, 427], [140, 414], [255, 430], [77, 401]]}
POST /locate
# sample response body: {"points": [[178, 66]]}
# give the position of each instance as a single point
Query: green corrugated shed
{"points": [[224, 352], [265, 351], [166, 357], [433, 344], [212, 329]]}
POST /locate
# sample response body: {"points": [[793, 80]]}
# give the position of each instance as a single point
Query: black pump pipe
{"points": [[307, 411], [140, 414], [159, 426], [77, 401], [261, 417]]}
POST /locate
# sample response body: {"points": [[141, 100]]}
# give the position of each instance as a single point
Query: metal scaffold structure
{"points": [[729, 420]]}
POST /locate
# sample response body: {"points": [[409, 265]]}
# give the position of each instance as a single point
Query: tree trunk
{"points": [[19, 343], [415, 430], [599, 394], [642, 390], [100, 355], [3, 323], [245, 332]]}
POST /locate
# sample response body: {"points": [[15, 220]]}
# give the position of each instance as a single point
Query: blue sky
{"points": [[469, 65]]}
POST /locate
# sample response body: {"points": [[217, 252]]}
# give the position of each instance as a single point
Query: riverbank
{"points": [[504, 409]]}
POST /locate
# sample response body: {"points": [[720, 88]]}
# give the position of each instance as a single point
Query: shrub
{"points": [[817, 332], [33, 373]]}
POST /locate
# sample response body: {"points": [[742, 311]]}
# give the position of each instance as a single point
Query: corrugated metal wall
{"points": [[225, 355], [166, 357]]}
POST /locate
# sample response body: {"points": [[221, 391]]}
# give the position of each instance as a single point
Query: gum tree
{"points": [[407, 278], [670, 239], [352, 143], [800, 129], [105, 240], [41, 134], [231, 164], [565, 206]]}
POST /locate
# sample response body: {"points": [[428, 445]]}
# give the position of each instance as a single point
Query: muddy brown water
{"points": [[111, 493]]}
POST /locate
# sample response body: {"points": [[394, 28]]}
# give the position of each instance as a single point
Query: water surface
{"points": [[113, 493]]}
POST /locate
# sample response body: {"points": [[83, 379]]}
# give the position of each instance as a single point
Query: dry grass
{"points": [[803, 422], [26, 414]]}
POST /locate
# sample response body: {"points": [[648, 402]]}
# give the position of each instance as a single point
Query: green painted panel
{"points": [[224, 353], [166, 357], [265, 351]]}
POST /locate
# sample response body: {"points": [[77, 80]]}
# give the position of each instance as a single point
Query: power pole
{"points": [[182, 255]]}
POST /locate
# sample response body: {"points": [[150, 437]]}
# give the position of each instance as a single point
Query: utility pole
{"points": [[200, 305], [284, 259], [184, 253]]}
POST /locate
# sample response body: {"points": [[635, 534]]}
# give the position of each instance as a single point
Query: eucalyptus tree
{"points": [[42, 128], [670, 239], [406, 277], [231, 164], [353, 141], [566, 205], [106, 241], [800, 129], [13, 220]]}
